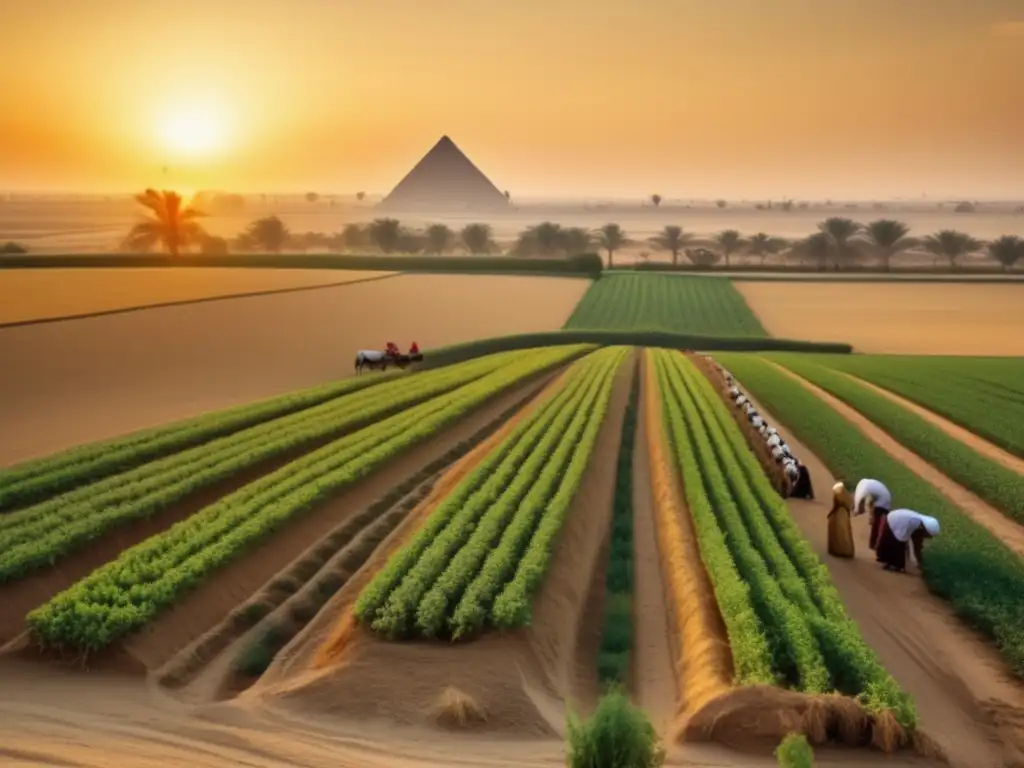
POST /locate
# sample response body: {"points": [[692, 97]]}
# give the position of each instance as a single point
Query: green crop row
{"points": [[667, 303], [124, 595], [44, 478], [441, 582], [38, 536], [751, 652], [984, 395], [995, 483], [469, 520], [615, 651], [854, 667], [796, 658], [981, 578], [484, 483]]}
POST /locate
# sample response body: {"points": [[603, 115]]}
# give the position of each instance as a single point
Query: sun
{"points": [[193, 131]]}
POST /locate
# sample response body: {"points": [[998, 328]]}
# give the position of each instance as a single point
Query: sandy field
{"points": [[37, 294], [947, 319], [75, 381]]}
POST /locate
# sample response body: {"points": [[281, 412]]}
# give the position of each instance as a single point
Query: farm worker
{"points": [[414, 349], [774, 441], [757, 422], [392, 349], [840, 532], [873, 497], [777, 454], [899, 529]]}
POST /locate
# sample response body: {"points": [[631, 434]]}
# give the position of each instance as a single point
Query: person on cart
{"points": [[391, 350], [414, 349]]}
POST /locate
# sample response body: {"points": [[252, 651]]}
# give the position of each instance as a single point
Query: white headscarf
{"points": [[903, 523], [774, 441]]}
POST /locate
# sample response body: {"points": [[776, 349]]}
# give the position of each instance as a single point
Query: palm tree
{"points": [[887, 237], [269, 234], [951, 244], [729, 241], [611, 237], [577, 240], [1007, 250], [439, 238], [173, 224], [840, 232], [672, 239], [477, 238], [386, 234], [763, 245], [656, 199]]}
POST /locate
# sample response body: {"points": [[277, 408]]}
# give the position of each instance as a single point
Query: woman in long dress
{"points": [[872, 497], [900, 529], [840, 532]]}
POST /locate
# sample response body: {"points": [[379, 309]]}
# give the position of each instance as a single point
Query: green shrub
{"points": [[795, 752], [617, 735]]}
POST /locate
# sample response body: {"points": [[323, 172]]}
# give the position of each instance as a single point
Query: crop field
{"points": [[784, 621], [677, 303], [486, 545], [967, 565], [984, 395]]}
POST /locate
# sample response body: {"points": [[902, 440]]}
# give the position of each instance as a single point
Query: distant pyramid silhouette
{"points": [[444, 180]]}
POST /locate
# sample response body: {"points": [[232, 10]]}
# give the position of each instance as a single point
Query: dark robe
{"points": [[890, 551], [877, 518], [802, 488]]}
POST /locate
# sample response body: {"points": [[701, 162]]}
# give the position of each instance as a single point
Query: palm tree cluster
{"points": [[174, 227]]}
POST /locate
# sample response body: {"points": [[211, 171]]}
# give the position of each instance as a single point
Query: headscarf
{"points": [[775, 442], [903, 523]]}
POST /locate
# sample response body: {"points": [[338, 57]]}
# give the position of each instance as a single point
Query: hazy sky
{"points": [[732, 98]]}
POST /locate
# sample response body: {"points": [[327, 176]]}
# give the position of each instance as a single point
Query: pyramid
{"points": [[444, 180]]}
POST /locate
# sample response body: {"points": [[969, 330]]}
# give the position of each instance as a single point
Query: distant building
{"points": [[445, 180]]}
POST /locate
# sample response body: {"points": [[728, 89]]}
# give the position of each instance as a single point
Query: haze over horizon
{"points": [[565, 98]]}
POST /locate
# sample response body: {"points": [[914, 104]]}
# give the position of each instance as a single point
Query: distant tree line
{"points": [[837, 243]]}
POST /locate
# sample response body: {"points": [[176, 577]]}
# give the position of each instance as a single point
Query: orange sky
{"points": [[732, 98]]}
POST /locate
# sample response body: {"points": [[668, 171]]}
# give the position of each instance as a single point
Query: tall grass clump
{"points": [[613, 660], [795, 752], [617, 735]]}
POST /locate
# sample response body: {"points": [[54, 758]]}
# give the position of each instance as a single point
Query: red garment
{"points": [[414, 349]]}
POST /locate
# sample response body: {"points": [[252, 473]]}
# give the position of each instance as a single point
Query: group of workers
{"points": [[798, 479], [893, 532]]}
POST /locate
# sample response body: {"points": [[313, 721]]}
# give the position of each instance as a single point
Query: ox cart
{"points": [[377, 360]]}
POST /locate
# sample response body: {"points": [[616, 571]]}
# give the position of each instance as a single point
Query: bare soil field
{"points": [[40, 294], [76, 381], [945, 319]]}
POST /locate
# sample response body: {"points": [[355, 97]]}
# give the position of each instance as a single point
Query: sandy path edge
{"points": [[654, 687], [966, 698], [981, 445], [979, 510]]}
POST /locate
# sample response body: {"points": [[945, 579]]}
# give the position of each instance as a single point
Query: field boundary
{"points": [[186, 302], [582, 265], [639, 338]]}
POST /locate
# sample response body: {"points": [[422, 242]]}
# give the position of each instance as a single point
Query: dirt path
{"points": [[965, 436], [983, 513], [965, 696], [654, 687]]}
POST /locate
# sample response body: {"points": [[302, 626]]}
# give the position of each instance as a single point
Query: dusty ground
{"points": [[948, 319], [75, 381], [965, 696], [36, 294]]}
